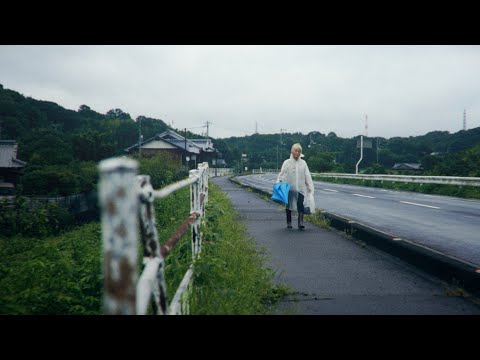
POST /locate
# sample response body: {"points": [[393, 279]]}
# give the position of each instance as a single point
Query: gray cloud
{"points": [[405, 90]]}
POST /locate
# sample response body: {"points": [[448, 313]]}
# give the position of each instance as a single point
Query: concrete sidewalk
{"points": [[331, 273]]}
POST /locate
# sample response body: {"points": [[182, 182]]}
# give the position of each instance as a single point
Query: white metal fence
{"points": [[443, 180], [220, 172], [126, 203]]}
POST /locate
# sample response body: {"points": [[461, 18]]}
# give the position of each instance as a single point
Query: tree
{"points": [[118, 114]]}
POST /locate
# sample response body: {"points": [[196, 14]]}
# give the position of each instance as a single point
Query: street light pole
{"points": [[361, 154]]}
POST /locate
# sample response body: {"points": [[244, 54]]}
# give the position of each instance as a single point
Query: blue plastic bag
{"points": [[280, 192]]}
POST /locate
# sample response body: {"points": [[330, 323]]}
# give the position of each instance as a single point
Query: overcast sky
{"points": [[404, 90]]}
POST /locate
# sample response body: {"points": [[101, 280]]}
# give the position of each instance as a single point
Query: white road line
{"points": [[428, 206], [330, 190], [370, 197]]}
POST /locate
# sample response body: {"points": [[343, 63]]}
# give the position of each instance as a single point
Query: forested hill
{"points": [[50, 136], [439, 152], [63, 147]]}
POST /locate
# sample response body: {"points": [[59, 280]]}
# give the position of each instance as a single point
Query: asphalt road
{"points": [[447, 224], [332, 274]]}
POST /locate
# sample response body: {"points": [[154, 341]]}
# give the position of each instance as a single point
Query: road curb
{"points": [[452, 270]]}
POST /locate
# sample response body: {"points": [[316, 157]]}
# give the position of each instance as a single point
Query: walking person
{"points": [[295, 172]]}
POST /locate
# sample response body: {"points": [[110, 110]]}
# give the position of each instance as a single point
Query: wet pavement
{"points": [[330, 273]]}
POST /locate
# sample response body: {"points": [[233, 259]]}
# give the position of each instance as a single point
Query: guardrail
{"points": [[220, 172], [126, 203], [444, 180], [263, 171]]}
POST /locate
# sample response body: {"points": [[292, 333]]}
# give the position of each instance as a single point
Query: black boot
{"points": [[300, 221], [289, 218]]}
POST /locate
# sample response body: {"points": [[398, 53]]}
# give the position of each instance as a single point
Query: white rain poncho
{"points": [[297, 174]]}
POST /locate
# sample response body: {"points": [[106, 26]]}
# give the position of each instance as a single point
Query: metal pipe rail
{"points": [[443, 180], [126, 203]]}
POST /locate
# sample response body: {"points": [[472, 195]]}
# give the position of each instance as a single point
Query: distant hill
{"points": [[49, 134], [79, 135]]}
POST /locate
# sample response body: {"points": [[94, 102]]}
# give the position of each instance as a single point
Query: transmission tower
{"points": [[464, 119], [256, 127], [208, 123]]}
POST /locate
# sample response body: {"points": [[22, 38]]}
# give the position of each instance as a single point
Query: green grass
{"points": [[62, 274], [231, 276], [318, 219], [52, 275]]}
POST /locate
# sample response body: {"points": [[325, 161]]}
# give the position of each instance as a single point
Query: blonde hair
{"points": [[298, 146]]}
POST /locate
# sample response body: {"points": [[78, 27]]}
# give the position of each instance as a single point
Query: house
{"points": [[10, 166], [193, 150], [407, 166]]}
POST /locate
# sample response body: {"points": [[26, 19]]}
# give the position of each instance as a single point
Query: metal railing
{"points": [[220, 172], [443, 180], [263, 171], [126, 204]]}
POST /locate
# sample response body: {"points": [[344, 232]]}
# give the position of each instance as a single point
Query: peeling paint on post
{"points": [[152, 280], [118, 200], [194, 198]]}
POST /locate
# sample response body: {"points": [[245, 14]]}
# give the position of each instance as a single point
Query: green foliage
{"points": [[88, 175], [445, 147], [92, 145], [46, 147], [62, 275], [319, 161], [318, 219], [19, 218], [118, 114], [231, 276], [170, 213], [375, 169], [464, 163], [50, 180], [162, 170], [56, 275]]}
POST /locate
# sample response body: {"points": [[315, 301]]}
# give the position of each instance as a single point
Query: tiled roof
{"points": [[7, 155]]}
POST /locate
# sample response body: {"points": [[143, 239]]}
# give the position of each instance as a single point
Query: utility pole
{"points": [[186, 165], [277, 157], [281, 133], [139, 137]]}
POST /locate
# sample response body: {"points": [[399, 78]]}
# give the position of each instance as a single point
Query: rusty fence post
{"points": [[118, 200], [152, 278], [194, 208], [126, 201]]}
